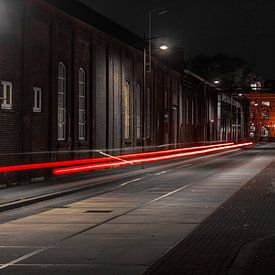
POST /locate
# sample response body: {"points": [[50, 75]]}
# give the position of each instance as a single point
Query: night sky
{"points": [[244, 28]]}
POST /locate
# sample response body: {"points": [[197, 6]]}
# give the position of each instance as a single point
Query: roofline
{"points": [[86, 14], [202, 80]]}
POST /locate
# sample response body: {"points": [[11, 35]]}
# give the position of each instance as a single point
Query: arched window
{"points": [[148, 112], [82, 103], [138, 111], [126, 109], [62, 105]]}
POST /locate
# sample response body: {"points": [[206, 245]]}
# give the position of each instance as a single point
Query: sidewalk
{"points": [[238, 238]]}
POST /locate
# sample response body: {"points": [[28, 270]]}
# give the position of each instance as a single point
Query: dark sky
{"points": [[244, 28]]}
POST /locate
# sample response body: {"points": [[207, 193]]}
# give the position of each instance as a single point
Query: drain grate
{"points": [[98, 211]]}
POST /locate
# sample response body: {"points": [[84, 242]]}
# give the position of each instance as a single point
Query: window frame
{"points": [[37, 100], [62, 109], [82, 110], [127, 110], [4, 104]]}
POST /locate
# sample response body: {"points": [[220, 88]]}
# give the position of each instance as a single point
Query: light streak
{"points": [[85, 168], [45, 165]]}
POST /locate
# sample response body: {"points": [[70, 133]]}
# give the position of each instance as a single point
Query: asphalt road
{"points": [[126, 226]]}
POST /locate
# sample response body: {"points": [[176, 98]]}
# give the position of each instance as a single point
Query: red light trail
{"points": [[44, 165], [84, 168]]}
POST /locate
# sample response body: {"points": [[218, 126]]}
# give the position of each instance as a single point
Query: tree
{"points": [[233, 73]]}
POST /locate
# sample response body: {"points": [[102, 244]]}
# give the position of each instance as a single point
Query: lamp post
{"points": [[147, 65]]}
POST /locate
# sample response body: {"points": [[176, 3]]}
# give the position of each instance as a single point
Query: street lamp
{"points": [[158, 11], [163, 47]]}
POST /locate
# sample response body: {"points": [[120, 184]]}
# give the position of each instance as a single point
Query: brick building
{"points": [[72, 79], [262, 115]]}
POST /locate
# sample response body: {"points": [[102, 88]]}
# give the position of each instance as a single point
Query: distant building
{"points": [[262, 115]]}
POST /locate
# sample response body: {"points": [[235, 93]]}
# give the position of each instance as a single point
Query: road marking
{"points": [[161, 173], [130, 181], [107, 155]]}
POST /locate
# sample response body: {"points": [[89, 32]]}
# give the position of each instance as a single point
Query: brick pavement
{"points": [[238, 238]]}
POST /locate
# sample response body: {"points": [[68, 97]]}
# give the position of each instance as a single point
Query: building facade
{"points": [[72, 80], [262, 115]]}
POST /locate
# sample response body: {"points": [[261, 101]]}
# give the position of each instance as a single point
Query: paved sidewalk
{"points": [[238, 238]]}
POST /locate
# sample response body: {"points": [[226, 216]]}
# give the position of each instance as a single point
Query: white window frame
{"points": [[82, 131], [5, 105], [62, 105], [37, 100]]}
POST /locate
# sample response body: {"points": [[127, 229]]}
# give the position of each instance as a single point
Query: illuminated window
{"points": [[62, 95], [37, 100], [126, 109], [7, 95], [256, 86], [265, 103], [148, 112], [82, 104], [138, 111]]}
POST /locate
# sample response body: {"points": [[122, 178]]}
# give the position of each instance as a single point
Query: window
{"points": [[37, 95], [62, 110], [148, 112], [192, 113], [265, 103], [7, 95], [82, 104], [256, 86], [138, 111], [187, 111], [126, 109], [165, 100]]}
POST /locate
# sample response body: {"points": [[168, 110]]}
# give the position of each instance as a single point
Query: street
{"points": [[126, 226]]}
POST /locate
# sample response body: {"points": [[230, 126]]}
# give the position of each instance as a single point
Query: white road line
{"points": [[107, 155], [26, 256], [160, 173], [130, 181]]}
